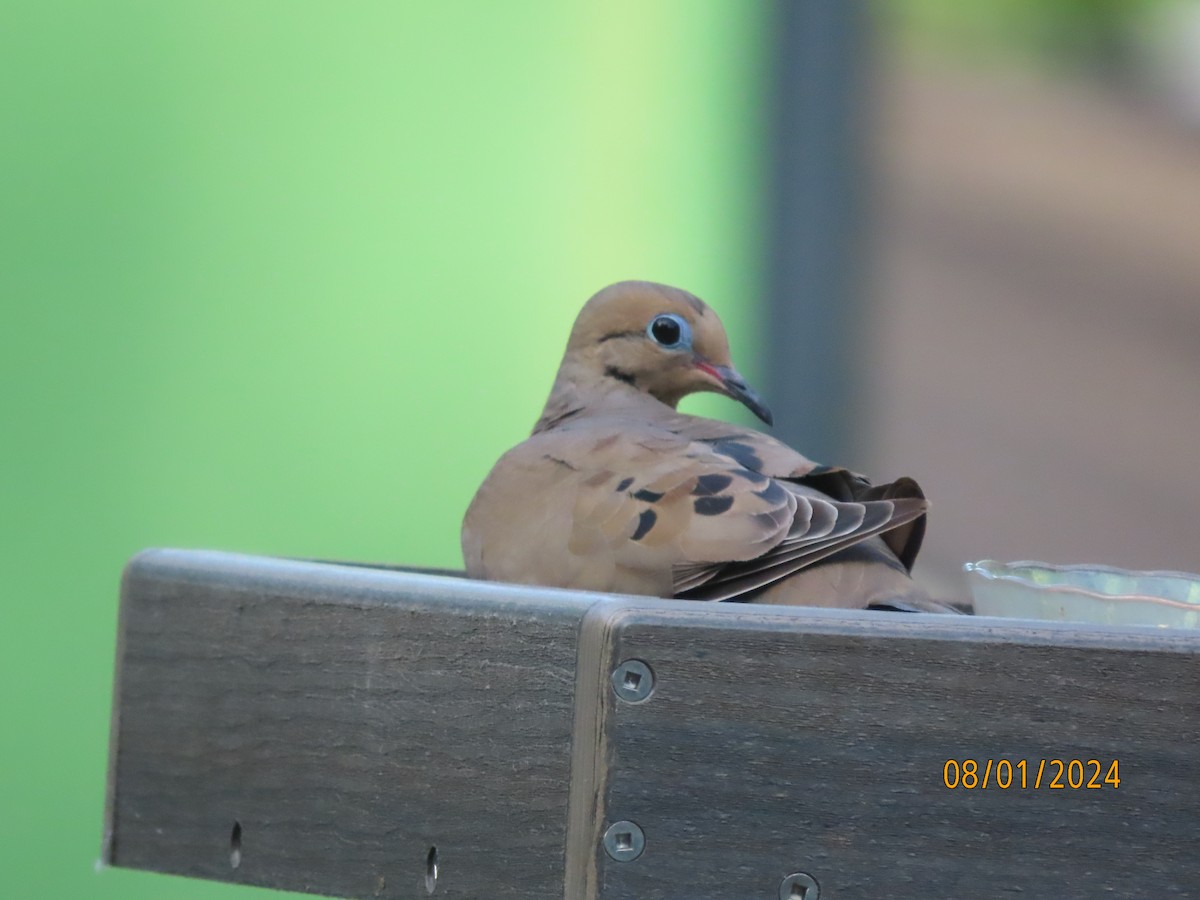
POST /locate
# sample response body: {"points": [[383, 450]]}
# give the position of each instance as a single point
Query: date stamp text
{"points": [[1032, 774]]}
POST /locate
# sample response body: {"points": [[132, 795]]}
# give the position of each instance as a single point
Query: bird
{"points": [[615, 490]]}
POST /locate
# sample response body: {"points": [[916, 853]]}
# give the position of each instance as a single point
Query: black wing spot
{"points": [[624, 484], [707, 485], [645, 522], [712, 506], [743, 454], [648, 495], [752, 477]]}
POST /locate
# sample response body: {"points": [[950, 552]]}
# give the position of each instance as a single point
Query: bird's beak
{"points": [[735, 386]]}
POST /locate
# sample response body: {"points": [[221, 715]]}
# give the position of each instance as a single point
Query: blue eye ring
{"points": [[671, 332]]}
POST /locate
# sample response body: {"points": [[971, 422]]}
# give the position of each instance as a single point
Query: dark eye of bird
{"points": [[666, 330]]}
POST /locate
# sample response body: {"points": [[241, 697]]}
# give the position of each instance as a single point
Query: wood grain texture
{"points": [[816, 743], [348, 720]]}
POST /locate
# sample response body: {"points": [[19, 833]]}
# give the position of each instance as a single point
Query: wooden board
{"points": [[349, 720], [818, 744]]}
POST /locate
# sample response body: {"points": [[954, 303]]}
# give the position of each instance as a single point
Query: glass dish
{"points": [[1099, 594]]}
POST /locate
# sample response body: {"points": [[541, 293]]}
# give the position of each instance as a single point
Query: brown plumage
{"points": [[616, 491]]}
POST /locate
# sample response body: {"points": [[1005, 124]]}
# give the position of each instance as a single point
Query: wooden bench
{"points": [[359, 732]]}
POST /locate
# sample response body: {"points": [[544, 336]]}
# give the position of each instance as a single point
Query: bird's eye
{"points": [[670, 331]]}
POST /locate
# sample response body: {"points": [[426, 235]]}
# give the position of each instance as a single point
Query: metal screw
{"points": [[624, 841], [799, 886], [633, 681]]}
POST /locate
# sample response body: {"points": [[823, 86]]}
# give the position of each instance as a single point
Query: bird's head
{"points": [[660, 340]]}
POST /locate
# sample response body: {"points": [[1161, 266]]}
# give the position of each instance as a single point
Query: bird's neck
{"points": [[579, 392]]}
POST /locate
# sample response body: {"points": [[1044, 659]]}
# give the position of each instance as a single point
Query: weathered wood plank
{"points": [[777, 744], [348, 721]]}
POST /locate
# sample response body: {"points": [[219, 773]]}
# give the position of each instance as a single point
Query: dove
{"points": [[617, 491]]}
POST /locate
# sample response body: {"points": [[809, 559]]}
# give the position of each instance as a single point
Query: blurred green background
{"points": [[1058, 35], [287, 277]]}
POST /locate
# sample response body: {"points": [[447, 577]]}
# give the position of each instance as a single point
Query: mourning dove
{"points": [[616, 491]]}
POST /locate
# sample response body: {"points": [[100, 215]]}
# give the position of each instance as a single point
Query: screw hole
{"points": [[633, 681], [799, 886], [235, 845], [431, 869], [624, 841]]}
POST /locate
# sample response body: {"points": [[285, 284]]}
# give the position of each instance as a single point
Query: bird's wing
{"points": [[764, 454], [646, 510], [820, 528]]}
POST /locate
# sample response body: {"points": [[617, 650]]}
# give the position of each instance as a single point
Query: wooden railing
{"points": [[367, 733]]}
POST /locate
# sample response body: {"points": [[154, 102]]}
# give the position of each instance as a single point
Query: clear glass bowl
{"points": [[1100, 594]]}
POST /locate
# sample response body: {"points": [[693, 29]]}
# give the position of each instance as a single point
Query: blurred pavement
{"points": [[1037, 274]]}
